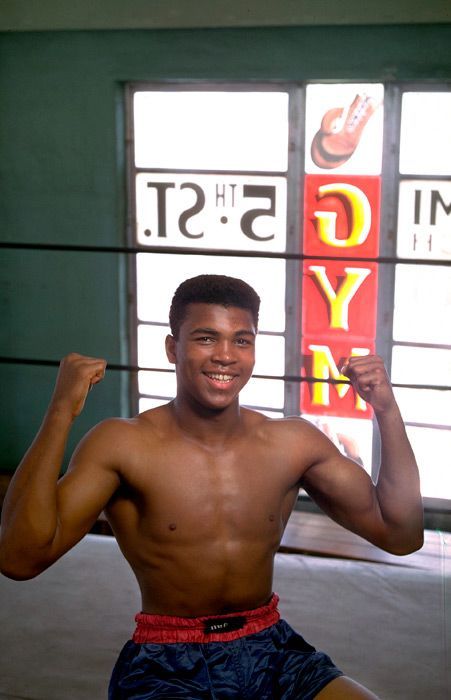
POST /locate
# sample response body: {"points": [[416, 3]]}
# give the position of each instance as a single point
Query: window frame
{"points": [[390, 182]]}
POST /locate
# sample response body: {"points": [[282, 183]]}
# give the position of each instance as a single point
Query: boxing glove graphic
{"points": [[337, 138]]}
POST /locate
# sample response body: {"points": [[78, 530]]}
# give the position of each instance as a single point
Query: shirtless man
{"points": [[198, 493]]}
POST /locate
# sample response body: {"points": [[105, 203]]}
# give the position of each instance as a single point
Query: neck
{"points": [[206, 425]]}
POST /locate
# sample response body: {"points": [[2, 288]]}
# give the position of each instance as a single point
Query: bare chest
{"points": [[209, 493]]}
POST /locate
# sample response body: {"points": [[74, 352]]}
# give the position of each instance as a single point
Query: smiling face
{"points": [[214, 354]]}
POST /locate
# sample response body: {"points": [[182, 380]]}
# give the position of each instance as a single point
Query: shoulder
{"points": [[290, 431], [149, 421], [294, 425]]}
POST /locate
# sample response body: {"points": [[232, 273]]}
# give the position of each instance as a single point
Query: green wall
{"points": [[62, 177]]}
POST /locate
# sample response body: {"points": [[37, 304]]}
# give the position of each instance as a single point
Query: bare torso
{"points": [[200, 523]]}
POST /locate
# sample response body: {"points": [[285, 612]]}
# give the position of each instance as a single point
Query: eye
{"points": [[243, 341], [205, 339]]}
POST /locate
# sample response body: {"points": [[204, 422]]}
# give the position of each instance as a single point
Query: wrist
{"points": [[60, 412], [388, 413]]}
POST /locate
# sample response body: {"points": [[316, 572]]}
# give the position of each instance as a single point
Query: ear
{"points": [[170, 344]]}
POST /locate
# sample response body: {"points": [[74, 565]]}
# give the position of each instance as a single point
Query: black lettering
{"points": [[436, 199], [232, 187], [417, 206], [248, 218], [161, 188], [220, 195], [192, 211]]}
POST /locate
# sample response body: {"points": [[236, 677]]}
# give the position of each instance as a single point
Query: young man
{"points": [[198, 493]]}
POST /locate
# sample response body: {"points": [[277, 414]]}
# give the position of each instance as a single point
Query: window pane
{"points": [[242, 212], [432, 449], [414, 365], [151, 348], [211, 130], [353, 437], [263, 392], [344, 128], [422, 304], [425, 147], [424, 219], [157, 383], [270, 355], [158, 276], [424, 406], [145, 404]]}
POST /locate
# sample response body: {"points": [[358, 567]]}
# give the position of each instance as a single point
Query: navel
{"points": [[172, 526], [272, 517]]}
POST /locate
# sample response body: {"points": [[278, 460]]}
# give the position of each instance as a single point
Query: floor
{"points": [[387, 625]]}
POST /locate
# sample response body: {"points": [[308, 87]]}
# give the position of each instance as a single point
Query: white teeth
{"points": [[221, 377]]}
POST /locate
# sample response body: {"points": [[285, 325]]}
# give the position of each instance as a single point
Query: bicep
{"points": [[345, 492], [82, 493]]}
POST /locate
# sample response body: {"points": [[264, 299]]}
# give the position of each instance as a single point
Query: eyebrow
{"points": [[212, 331]]}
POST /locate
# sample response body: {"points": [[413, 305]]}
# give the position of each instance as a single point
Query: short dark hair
{"points": [[212, 289]]}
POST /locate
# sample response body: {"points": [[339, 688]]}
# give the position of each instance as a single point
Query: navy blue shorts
{"points": [[275, 663]]}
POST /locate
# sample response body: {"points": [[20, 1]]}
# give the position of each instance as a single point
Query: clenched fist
{"points": [[369, 378], [76, 376]]}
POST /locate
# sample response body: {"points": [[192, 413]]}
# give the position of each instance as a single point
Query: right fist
{"points": [[76, 376]]}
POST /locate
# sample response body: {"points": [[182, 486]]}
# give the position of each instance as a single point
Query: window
{"points": [[296, 190]]}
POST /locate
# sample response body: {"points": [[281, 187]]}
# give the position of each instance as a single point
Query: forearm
{"points": [[30, 514], [398, 483]]}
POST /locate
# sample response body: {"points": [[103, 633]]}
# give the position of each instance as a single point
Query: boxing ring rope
{"points": [[133, 250], [284, 377]]}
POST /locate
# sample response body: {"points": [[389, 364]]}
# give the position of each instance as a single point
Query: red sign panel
{"points": [[339, 297], [321, 360], [341, 215]]}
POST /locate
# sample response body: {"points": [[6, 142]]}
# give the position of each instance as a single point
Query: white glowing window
{"points": [[158, 276], [422, 304], [145, 403], [232, 147], [428, 406], [432, 449], [241, 212], [211, 130], [263, 392], [425, 147], [424, 219], [157, 383], [151, 347], [353, 437], [417, 365]]}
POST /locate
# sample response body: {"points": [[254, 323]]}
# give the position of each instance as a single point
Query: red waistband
{"points": [[166, 629]]}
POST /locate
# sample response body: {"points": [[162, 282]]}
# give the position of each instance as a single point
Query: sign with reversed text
{"points": [[230, 212]]}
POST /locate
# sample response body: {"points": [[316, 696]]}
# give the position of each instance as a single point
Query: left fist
{"points": [[369, 378]]}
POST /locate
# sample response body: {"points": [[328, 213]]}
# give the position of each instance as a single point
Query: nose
{"points": [[223, 353]]}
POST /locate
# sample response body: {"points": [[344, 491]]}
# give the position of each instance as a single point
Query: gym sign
{"points": [[339, 297]]}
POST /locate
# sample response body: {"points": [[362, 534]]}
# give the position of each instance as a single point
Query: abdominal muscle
{"points": [[211, 573]]}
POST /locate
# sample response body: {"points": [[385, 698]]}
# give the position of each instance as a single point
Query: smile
{"points": [[220, 377]]}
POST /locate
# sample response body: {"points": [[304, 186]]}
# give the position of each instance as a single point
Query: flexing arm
{"points": [[41, 518], [390, 512]]}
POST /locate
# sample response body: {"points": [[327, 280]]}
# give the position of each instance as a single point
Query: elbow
{"points": [[17, 575], [407, 546], [17, 572], [18, 567]]}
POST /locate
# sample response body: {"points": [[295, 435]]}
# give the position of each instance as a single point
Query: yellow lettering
{"points": [[324, 367], [339, 300], [360, 215]]}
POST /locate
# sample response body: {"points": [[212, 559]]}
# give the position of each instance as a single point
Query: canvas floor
{"points": [[387, 626]]}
